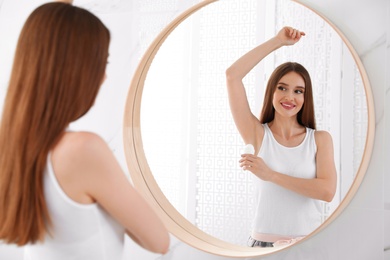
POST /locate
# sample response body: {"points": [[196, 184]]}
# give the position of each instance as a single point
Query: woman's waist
{"points": [[275, 239], [270, 237]]}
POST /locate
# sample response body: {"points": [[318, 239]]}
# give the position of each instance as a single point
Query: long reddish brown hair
{"points": [[306, 116], [59, 65]]}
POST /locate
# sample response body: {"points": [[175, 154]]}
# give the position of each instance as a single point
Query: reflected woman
{"points": [[293, 164], [63, 195]]}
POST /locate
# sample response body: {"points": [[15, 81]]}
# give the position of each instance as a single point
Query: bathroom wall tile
{"points": [[371, 193], [386, 240], [362, 235], [347, 16], [386, 182], [386, 255], [10, 252], [348, 237], [184, 251], [387, 114]]}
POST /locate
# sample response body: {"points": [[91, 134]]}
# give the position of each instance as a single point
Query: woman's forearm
{"points": [[321, 189], [286, 36], [240, 68]]}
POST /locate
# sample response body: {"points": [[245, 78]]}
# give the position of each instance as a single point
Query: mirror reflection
{"points": [[190, 140]]}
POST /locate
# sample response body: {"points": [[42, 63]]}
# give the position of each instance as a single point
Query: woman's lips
{"points": [[287, 105]]}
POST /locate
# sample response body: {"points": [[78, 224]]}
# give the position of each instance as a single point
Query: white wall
{"points": [[386, 183], [362, 231]]}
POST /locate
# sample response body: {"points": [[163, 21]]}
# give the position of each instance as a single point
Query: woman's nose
{"points": [[289, 95]]}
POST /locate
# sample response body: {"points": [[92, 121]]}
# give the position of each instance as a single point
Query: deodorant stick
{"points": [[248, 149]]}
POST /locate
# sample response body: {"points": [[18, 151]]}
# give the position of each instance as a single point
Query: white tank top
{"points": [[279, 211], [79, 232]]}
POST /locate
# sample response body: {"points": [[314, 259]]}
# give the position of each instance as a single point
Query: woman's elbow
{"points": [[159, 244], [231, 74], [328, 195], [162, 246]]}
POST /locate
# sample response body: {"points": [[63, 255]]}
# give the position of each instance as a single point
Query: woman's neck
{"points": [[286, 128]]}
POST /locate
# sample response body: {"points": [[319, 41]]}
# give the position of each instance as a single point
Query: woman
{"points": [[293, 164], [62, 193]]}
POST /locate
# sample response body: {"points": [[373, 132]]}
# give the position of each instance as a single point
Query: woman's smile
{"points": [[288, 105]]}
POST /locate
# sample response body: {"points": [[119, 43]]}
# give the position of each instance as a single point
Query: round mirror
{"points": [[179, 129]]}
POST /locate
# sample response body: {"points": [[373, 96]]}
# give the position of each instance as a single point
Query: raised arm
{"points": [[247, 123]]}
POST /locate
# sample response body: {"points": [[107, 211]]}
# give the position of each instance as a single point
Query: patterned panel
{"points": [[314, 53], [360, 121], [106, 6], [224, 204]]}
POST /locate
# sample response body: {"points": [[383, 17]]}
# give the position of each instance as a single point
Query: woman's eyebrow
{"points": [[282, 83], [285, 84]]}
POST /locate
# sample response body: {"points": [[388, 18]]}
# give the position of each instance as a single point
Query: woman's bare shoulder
{"points": [[80, 147], [322, 137], [82, 140]]}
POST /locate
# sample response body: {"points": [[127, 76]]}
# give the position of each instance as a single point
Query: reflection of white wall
{"points": [[386, 183], [358, 233]]}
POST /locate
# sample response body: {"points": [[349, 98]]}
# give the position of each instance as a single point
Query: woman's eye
{"points": [[299, 91], [281, 88]]}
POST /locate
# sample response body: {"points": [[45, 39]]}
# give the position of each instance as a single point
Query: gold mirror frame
{"points": [[145, 183]]}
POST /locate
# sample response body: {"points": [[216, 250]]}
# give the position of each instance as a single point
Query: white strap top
{"points": [[279, 211], [79, 232]]}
